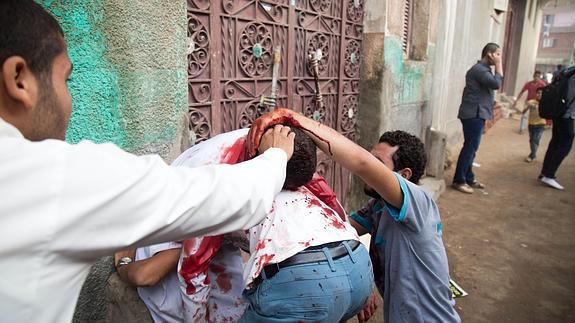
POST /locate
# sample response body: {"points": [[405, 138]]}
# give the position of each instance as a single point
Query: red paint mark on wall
{"points": [[236, 153]]}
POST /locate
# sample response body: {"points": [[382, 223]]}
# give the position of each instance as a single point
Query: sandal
{"points": [[477, 184]]}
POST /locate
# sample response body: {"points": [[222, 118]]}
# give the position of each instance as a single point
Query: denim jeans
{"points": [[535, 133], [472, 131], [326, 291], [559, 146]]}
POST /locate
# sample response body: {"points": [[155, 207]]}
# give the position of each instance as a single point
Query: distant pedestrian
{"points": [[536, 124], [476, 107], [532, 86], [561, 138], [531, 89]]}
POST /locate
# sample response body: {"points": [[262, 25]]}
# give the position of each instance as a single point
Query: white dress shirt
{"points": [[63, 206]]}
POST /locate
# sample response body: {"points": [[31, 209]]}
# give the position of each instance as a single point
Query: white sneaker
{"points": [[551, 182]]}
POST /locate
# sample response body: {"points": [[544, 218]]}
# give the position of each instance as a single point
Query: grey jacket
{"points": [[477, 100]]}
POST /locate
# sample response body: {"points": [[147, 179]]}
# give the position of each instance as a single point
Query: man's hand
{"points": [[278, 137], [260, 125], [130, 253], [369, 308], [498, 62]]}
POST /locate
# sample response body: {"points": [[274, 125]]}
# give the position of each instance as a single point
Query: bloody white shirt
{"points": [[296, 221]]}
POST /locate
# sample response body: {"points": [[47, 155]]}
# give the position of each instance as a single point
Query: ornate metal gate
{"points": [[230, 57]]}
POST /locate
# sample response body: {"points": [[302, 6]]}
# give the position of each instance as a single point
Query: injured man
{"points": [[305, 261]]}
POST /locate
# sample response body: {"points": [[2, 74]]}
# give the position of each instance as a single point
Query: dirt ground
{"points": [[512, 245]]}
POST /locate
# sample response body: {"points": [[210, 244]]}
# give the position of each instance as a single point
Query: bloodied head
{"points": [[301, 166]]}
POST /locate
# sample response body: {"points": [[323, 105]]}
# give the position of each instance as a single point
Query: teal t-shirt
{"points": [[409, 259]]}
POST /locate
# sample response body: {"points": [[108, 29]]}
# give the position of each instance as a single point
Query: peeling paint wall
{"points": [[129, 80], [129, 87], [395, 86]]}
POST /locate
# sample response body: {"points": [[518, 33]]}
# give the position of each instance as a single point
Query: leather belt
{"points": [[309, 255]]}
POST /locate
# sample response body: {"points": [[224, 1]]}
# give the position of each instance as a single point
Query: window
{"points": [[548, 42], [406, 33], [548, 20]]}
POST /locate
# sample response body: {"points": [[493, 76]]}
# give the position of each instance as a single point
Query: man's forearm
{"points": [[354, 158]]}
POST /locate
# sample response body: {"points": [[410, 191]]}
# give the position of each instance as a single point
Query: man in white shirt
{"points": [[64, 206]]}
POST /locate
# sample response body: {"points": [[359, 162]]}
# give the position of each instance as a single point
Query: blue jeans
{"points": [[326, 291], [559, 146], [472, 131], [535, 133]]}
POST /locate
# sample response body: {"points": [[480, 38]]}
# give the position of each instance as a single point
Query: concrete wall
{"points": [[528, 47], [129, 80], [464, 27], [129, 87], [395, 87]]}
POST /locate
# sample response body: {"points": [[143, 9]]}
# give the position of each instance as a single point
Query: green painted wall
{"points": [[129, 80], [94, 86], [407, 78]]}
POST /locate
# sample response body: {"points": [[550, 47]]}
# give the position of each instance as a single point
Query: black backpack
{"points": [[553, 103]]}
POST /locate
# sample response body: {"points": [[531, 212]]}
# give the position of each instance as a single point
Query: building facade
{"points": [[557, 39]]}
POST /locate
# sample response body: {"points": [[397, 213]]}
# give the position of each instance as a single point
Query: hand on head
{"points": [[260, 126], [278, 137]]}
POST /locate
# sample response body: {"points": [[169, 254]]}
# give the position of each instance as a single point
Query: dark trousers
{"points": [[472, 131], [535, 132], [559, 146]]}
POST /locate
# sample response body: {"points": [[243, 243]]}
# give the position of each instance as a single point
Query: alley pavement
{"points": [[512, 245]]}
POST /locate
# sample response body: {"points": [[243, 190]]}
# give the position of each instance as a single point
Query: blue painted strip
{"points": [[364, 222], [403, 186]]}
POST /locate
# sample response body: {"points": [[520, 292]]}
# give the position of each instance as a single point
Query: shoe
{"points": [[462, 187], [552, 183], [477, 184], [528, 159]]}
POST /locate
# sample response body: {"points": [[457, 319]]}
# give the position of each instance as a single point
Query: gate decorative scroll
{"points": [[230, 63]]}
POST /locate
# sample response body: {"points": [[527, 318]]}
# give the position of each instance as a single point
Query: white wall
{"points": [[464, 28]]}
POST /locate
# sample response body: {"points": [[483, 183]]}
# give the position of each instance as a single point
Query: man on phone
{"points": [[476, 107]]}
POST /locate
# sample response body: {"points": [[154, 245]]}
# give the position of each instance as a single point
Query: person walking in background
{"points": [[531, 88], [561, 138], [476, 107], [536, 124]]}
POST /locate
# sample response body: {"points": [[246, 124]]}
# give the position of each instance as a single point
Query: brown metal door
{"points": [[230, 48]]}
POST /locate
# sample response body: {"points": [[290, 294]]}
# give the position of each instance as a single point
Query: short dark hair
{"points": [[537, 72], [302, 164], [489, 48], [410, 154], [29, 31]]}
